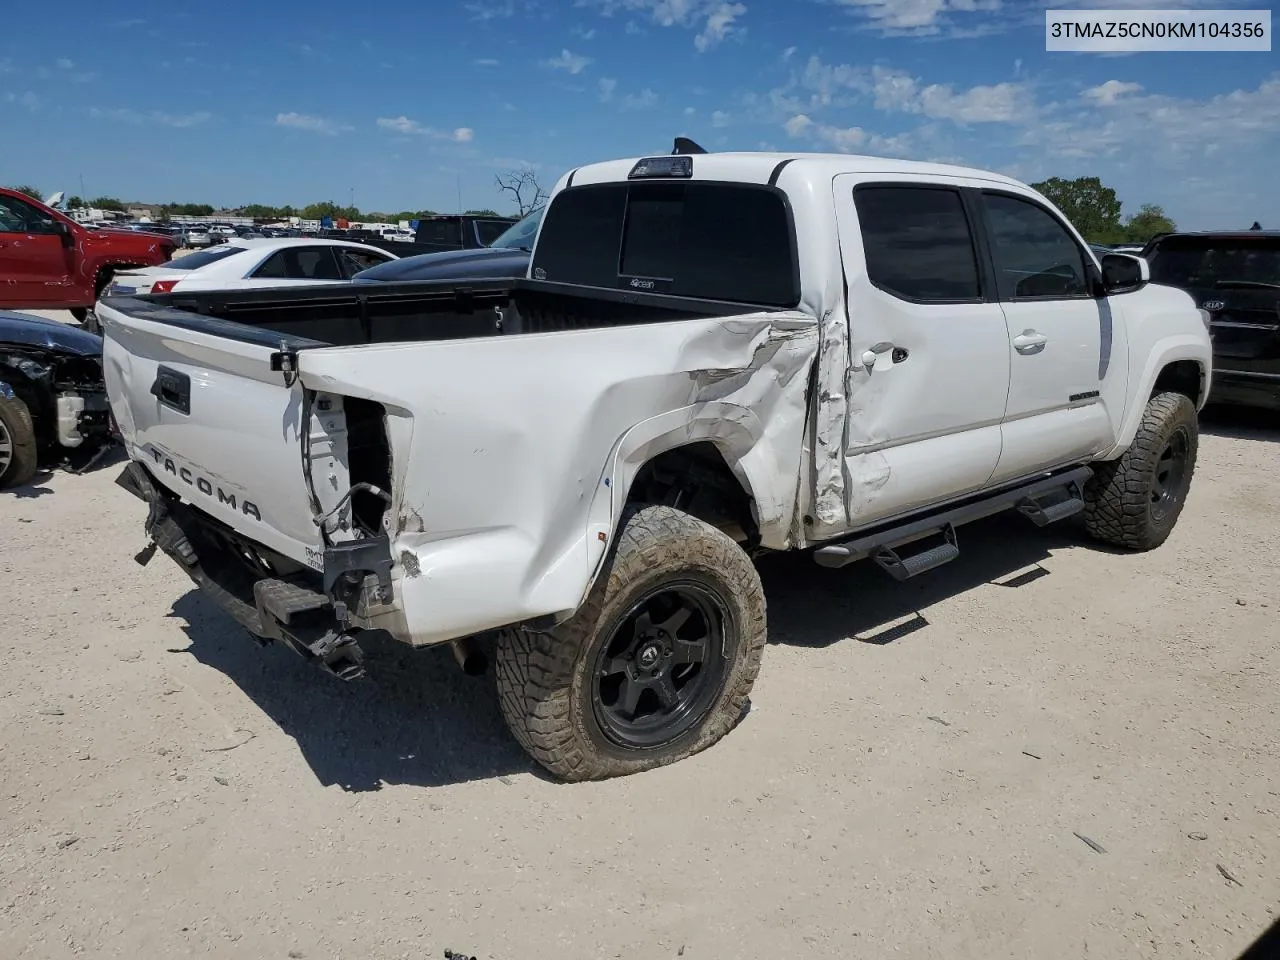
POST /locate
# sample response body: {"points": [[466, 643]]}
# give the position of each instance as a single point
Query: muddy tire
{"points": [[655, 666], [17, 443], [1134, 502]]}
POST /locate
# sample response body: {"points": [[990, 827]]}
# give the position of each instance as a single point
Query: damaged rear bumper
{"points": [[317, 615]]}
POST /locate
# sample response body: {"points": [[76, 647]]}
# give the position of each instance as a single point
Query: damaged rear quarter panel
{"points": [[512, 454]]}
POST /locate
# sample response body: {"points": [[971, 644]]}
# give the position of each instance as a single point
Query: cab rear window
{"points": [[713, 241]]}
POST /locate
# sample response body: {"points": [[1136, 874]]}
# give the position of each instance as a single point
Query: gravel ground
{"points": [[918, 776]]}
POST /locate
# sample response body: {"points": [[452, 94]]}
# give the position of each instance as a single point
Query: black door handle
{"points": [[173, 390]]}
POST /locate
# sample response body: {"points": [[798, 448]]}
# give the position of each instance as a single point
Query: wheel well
{"points": [[1181, 376], [696, 480], [104, 275]]}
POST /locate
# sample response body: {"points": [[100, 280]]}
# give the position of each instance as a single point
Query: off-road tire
{"points": [[545, 678], [16, 421], [1118, 506]]}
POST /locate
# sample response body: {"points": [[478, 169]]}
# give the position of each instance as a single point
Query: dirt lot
{"points": [[915, 779]]}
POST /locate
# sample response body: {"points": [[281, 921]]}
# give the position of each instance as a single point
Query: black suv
{"points": [[1235, 277]]}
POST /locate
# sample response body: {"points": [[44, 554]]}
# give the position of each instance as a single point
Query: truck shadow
{"points": [[1240, 423], [417, 719], [811, 606]]}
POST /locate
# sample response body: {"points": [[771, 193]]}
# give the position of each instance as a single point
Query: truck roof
{"points": [[761, 167]]}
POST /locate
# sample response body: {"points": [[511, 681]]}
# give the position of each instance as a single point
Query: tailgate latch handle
{"points": [[285, 361], [173, 390]]}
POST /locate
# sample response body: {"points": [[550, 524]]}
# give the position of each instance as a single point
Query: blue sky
{"points": [[406, 100]]}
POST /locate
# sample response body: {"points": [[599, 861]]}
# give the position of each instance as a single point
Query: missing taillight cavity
{"points": [[369, 461]]}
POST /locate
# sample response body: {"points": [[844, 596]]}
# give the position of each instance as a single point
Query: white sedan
{"points": [[239, 264]]}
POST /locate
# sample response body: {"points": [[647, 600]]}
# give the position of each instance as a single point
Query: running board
{"points": [[1043, 501], [904, 568], [1052, 506]]}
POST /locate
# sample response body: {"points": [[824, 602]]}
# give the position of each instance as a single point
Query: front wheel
{"points": [[655, 666], [1135, 501], [17, 442]]}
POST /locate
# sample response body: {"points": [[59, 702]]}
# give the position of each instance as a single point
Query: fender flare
{"points": [[1167, 351], [733, 429]]}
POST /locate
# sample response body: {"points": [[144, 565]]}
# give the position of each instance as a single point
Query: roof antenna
{"points": [[684, 145]]}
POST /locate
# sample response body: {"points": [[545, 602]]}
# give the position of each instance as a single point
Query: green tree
{"points": [[1147, 222], [30, 191], [107, 203], [1091, 207], [413, 215], [483, 213], [318, 211], [260, 210], [75, 203]]}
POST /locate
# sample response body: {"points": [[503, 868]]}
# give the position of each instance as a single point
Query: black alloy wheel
{"points": [[661, 668], [1169, 483]]}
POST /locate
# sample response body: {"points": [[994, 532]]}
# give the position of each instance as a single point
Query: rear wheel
{"points": [[1134, 502], [656, 665], [17, 443]]}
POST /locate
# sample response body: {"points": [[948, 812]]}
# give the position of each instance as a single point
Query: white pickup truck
{"points": [[713, 355]]}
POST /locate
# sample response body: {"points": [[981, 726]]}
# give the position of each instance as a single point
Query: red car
{"points": [[48, 261]]}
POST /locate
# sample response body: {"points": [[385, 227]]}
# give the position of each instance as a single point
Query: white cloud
{"points": [[719, 118], [914, 17], [403, 125], [584, 33], [491, 9], [310, 123], [720, 24], [64, 64], [571, 62], [797, 125], [607, 86], [689, 111], [847, 139], [646, 99], [788, 53], [896, 91], [714, 20], [28, 100], [486, 62], [153, 117], [1111, 91]]}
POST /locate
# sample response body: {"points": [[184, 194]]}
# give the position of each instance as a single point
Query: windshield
{"points": [[1203, 262], [520, 236], [193, 261]]}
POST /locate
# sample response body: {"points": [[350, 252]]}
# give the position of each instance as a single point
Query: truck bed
{"points": [[352, 314]]}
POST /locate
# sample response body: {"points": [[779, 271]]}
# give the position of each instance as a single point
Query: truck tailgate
{"points": [[186, 400]]}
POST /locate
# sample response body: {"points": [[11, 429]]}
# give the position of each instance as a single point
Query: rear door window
{"points": [[715, 241], [300, 263], [917, 243], [353, 261]]}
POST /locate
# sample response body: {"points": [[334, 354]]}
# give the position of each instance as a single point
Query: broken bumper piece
{"points": [[295, 613]]}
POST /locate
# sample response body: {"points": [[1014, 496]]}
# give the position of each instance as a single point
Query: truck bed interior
{"points": [[352, 314]]}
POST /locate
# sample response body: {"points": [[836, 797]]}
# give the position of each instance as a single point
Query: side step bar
{"points": [[1044, 501]]}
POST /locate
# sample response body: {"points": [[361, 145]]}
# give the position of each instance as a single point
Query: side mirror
{"points": [[1122, 273]]}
